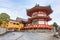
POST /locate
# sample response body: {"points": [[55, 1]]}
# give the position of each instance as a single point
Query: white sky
{"points": [[17, 8]]}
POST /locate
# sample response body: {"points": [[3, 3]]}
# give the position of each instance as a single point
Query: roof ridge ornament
{"points": [[48, 6], [37, 4]]}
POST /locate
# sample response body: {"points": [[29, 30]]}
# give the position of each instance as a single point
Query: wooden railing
{"points": [[39, 26]]}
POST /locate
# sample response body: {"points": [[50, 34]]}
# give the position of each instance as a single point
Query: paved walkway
{"points": [[28, 36]]}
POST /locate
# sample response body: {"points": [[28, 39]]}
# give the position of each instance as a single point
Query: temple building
{"points": [[39, 17]]}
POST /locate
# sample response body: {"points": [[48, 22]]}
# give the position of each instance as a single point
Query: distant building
{"points": [[14, 25]]}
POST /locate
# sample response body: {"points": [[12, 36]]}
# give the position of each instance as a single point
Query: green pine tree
{"points": [[55, 25]]}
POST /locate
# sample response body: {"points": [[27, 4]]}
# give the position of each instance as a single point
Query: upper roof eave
{"points": [[38, 8]]}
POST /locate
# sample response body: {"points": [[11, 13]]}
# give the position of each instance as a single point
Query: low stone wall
{"points": [[3, 30], [38, 30]]}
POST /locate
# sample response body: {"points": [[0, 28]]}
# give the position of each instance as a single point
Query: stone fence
{"points": [[2, 30]]}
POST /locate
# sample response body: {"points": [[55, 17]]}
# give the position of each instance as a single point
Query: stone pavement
{"points": [[28, 36]]}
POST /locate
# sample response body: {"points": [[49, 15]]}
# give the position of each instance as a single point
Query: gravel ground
{"points": [[28, 36]]}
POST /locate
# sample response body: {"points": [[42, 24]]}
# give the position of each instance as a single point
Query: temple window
{"points": [[41, 15], [14, 23], [41, 22], [17, 23], [35, 22], [38, 14]]}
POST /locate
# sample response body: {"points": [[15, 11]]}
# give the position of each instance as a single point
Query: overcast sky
{"points": [[17, 8]]}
